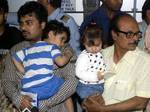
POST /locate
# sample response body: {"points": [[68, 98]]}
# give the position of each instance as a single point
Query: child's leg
{"points": [[69, 105]]}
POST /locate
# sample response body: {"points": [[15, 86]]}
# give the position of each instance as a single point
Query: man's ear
{"points": [[114, 34], [43, 24]]}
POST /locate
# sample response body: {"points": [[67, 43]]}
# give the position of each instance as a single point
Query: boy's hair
{"points": [[33, 7], [91, 32], [55, 3], [57, 28], [4, 6]]}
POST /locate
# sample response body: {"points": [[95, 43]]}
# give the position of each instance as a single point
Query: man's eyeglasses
{"points": [[130, 34]]}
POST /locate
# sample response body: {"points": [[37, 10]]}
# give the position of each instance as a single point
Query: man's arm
{"points": [[135, 103], [69, 86], [11, 79], [10, 82]]}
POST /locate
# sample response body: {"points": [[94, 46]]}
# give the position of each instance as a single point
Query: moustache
{"points": [[24, 31], [135, 42]]}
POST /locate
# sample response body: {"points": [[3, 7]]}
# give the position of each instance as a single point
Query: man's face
{"points": [[114, 5], [31, 27], [124, 41]]}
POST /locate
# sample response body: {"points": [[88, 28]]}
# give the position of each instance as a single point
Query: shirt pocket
{"points": [[120, 90]]}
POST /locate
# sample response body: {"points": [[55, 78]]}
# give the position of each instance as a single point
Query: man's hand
{"points": [[26, 102], [93, 103]]}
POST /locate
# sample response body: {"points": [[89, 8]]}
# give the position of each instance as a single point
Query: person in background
{"points": [[127, 90], [147, 40], [32, 17], [90, 65], [102, 17], [146, 21], [9, 35]]}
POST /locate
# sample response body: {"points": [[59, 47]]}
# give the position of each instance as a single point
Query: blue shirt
{"points": [[69, 22], [101, 18]]}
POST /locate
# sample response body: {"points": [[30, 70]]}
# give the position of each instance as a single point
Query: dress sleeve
{"points": [[82, 71]]}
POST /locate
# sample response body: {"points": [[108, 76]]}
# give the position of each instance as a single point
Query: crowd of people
{"points": [[48, 59]]}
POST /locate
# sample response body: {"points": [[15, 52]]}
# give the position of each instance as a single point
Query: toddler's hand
{"points": [[100, 75], [69, 51]]}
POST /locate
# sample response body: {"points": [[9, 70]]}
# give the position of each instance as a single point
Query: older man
{"points": [[127, 87]]}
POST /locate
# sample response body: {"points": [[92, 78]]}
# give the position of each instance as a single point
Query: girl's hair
{"points": [[90, 34]]}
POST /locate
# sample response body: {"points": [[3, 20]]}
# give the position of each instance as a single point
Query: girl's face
{"points": [[94, 48]]}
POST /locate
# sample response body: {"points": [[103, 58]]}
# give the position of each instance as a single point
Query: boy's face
{"points": [[59, 39], [94, 48]]}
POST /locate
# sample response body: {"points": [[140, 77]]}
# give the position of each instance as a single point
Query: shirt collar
{"points": [[54, 14], [130, 56]]}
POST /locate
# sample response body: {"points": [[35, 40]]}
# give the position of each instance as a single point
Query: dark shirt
{"points": [[10, 37], [101, 18]]}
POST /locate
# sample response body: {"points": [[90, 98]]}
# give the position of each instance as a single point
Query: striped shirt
{"points": [[38, 62]]}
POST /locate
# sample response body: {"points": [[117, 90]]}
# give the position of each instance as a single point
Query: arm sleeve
{"points": [[74, 35], [10, 78], [19, 55], [12, 18], [10, 82], [82, 71], [143, 82], [55, 52]]}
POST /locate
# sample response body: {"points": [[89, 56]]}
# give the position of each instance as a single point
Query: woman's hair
{"points": [[91, 33], [145, 7]]}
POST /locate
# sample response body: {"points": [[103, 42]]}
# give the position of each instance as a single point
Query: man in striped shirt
{"points": [[32, 18]]}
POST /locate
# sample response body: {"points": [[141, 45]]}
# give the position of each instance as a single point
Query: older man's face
{"points": [[128, 34]]}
